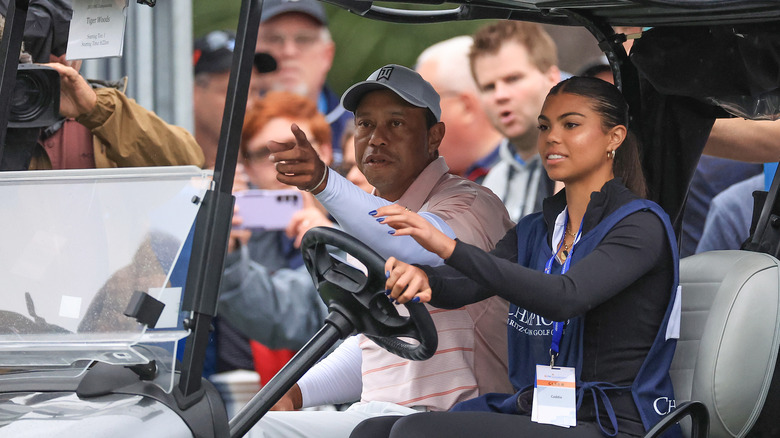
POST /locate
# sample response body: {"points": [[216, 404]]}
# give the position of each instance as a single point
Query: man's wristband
{"points": [[322, 180]]}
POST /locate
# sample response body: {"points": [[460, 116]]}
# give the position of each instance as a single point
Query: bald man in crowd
{"points": [[470, 146]]}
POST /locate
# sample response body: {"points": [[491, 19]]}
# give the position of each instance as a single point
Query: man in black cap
{"points": [[212, 58], [295, 33]]}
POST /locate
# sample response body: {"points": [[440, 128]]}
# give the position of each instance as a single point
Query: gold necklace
{"points": [[565, 252]]}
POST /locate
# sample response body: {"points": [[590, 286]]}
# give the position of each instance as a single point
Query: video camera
{"points": [[35, 104], [35, 100]]}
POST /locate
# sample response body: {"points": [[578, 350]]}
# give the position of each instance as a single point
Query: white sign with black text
{"points": [[97, 29]]}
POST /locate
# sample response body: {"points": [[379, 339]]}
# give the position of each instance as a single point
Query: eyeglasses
{"points": [[261, 155], [302, 41], [258, 156]]}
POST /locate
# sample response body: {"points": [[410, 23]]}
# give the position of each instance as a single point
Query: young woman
{"points": [[592, 281]]}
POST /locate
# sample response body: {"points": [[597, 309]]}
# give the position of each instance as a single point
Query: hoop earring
{"points": [[611, 154]]}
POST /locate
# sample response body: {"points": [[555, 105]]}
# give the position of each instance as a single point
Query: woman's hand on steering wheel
{"points": [[406, 282]]}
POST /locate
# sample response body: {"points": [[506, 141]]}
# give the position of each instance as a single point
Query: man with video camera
{"points": [[101, 127]]}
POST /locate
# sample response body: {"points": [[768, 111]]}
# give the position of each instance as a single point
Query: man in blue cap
{"points": [[295, 33]]}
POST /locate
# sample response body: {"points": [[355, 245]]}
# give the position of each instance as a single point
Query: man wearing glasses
{"points": [[295, 33]]}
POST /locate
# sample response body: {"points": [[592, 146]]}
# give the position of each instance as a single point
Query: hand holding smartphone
{"points": [[267, 209]]}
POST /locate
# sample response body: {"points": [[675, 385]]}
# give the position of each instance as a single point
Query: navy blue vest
{"points": [[530, 335]]}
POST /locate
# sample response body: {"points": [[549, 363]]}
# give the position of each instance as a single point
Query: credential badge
{"points": [[384, 73]]}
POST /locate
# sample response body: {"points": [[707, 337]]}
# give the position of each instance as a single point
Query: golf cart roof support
{"points": [[10, 47], [212, 225], [608, 41]]}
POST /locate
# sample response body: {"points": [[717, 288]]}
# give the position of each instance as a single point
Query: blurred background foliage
{"points": [[363, 45]]}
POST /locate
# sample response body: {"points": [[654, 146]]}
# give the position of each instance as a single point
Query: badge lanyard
{"points": [[557, 332], [554, 399]]}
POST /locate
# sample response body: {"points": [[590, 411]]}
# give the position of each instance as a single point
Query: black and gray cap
{"points": [[213, 53], [403, 81]]}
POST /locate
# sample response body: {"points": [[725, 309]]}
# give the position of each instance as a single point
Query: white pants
{"points": [[322, 424]]}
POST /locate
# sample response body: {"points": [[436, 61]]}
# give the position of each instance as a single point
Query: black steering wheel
{"points": [[360, 297]]}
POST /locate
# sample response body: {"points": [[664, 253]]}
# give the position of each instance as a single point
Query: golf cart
{"points": [[79, 352]]}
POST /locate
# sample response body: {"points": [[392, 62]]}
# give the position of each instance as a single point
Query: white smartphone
{"points": [[267, 209]]}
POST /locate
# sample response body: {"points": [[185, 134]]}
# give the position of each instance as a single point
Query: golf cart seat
{"points": [[728, 346]]}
